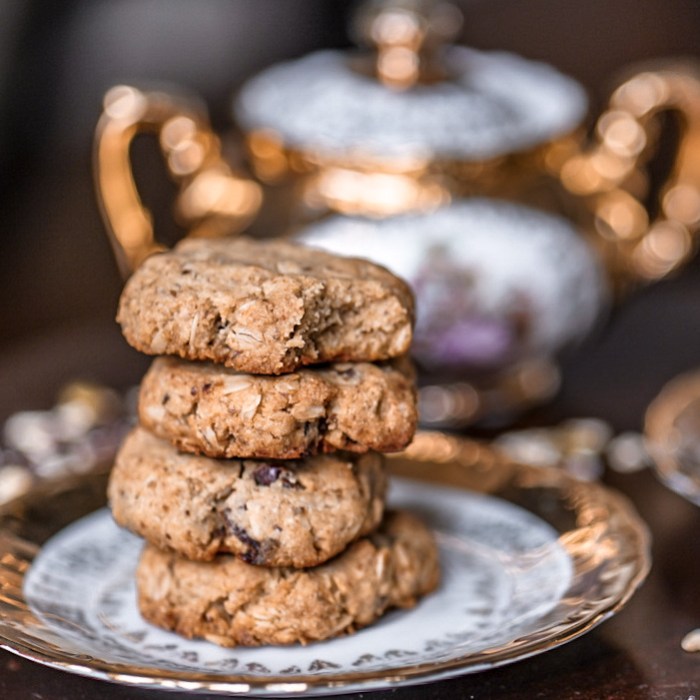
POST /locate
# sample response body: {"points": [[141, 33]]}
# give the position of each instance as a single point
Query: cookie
{"points": [[292, 513], [207, 409], [232, 603], [265, 307]]}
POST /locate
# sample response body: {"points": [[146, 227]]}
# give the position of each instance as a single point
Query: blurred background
{"points": [[60, 284]]}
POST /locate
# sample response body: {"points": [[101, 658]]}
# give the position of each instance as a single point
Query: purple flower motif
{"points": [[452, 331], [471, 341]]}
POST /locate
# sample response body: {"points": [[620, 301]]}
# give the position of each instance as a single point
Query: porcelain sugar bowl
{"points": [[470, 173]]}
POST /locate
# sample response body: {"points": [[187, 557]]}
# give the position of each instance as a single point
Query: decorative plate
{"points": [[530, 559]]}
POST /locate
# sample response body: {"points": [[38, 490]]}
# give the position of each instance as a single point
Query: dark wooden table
{"points": [[635, 655]]}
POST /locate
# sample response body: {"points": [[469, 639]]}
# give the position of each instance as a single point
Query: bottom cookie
{"points": [[232, 603]]}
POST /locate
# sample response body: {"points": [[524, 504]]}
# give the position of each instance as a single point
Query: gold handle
{"points": [[212, 201], [612, 175]]}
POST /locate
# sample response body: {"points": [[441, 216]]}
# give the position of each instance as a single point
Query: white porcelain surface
{"points": [[496, 103], [494, 281]]}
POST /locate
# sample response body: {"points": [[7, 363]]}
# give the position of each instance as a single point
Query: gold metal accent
{"points": [[458, 404], [374, 193], [612, 178], [407, 36], [212, 201], [364, 185]]}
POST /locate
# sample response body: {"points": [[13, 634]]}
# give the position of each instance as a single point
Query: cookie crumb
{"points": [[691, 641]]}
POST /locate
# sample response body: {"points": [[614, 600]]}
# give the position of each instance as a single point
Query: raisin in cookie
{"points": [[265, 307], [231, 603], [293, 513], [208, 409]]}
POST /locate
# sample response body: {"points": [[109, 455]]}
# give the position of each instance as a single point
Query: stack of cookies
{"points": [[255, 472]]}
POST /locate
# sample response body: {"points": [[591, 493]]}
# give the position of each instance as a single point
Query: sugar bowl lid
{"points": [[413, 97], [495, 282]]}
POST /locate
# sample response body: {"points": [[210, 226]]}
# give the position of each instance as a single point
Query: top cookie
{"points": [[265, 307]]}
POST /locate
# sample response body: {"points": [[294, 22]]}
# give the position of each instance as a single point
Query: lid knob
{"points": [[407, 35]]}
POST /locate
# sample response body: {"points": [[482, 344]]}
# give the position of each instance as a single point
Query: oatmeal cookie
{"points": [[232, 603], [295, 513], [265, 307], [208, 409]]}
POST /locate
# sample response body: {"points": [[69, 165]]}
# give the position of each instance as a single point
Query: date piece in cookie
{"points": [[295, 513], [231, 603], [204, 408], [265, 307]]}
